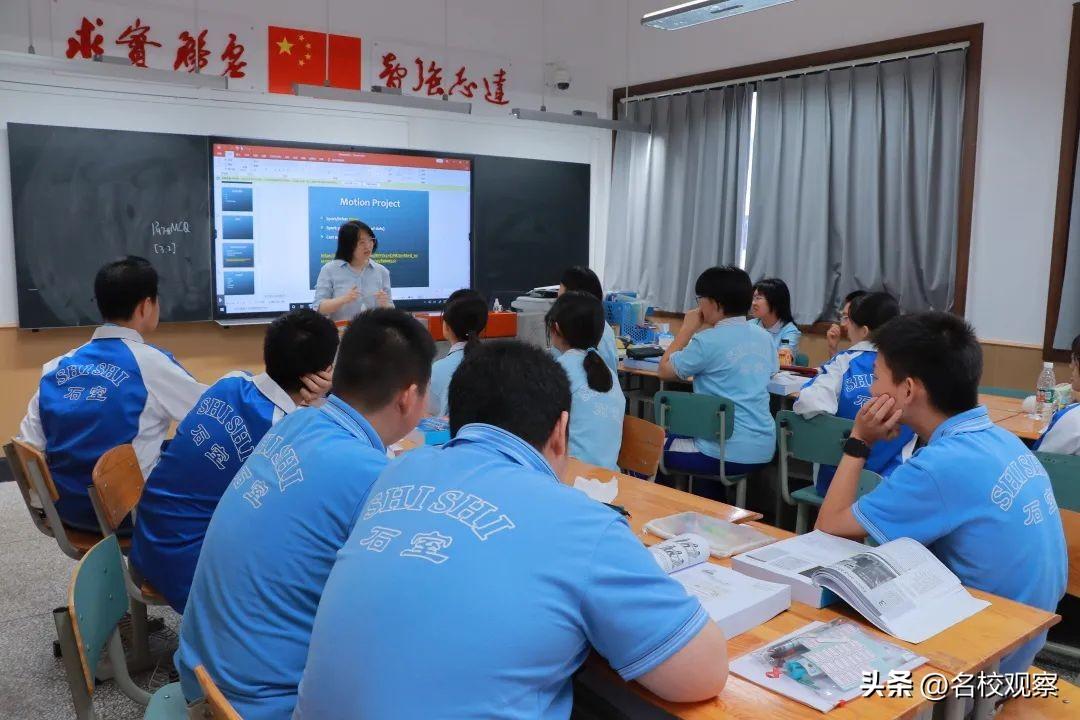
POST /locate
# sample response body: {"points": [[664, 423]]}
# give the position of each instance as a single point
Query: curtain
{"points": [[677, 194], [856, 180]]}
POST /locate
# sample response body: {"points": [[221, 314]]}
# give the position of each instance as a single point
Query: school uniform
{"points": [[983, 504], [268, 550], [442, 371], [841, 388], [1062, 435], [734, 359], [210, 445], [596, 418], [781, 331], [476, 583], [607, 349], [113, 390]]}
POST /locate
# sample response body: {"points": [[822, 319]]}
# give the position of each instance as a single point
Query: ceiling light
{"points": [[112, 68], [702, 11], [382, 96], [579, 117]]}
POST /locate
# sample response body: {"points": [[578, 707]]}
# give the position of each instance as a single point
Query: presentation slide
{"points": [[277, 211]]}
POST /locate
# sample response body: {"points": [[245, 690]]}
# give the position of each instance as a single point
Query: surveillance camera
{"points": [[562, 78]]}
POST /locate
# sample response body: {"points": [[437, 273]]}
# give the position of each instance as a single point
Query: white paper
{"points": [[680, 552], [597, 489]]}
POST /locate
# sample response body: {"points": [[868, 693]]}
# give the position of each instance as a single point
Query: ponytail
{"points": [[466, 314], [597, 372], [580, 320]]}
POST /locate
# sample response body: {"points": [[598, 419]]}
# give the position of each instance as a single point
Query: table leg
{"points": [[985, 707]]}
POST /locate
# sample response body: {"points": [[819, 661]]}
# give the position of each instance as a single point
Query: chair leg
{"points": [[740, 493], [80, 696], [802, 517], [139, 654], [690, 484]]}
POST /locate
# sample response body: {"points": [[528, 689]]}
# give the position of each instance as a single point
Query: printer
{"points": [[531, 308]]}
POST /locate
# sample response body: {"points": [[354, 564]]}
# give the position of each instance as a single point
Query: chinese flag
{"points": [[299, 56]]}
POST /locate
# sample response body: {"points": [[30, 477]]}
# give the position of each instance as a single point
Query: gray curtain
{"points": [[855, 183], [677, 193]]}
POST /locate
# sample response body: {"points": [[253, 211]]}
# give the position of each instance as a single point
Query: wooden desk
{"points": [[1022, 426], [998, 402]]}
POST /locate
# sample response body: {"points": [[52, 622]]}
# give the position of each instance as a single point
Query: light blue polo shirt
{"points": [[475, 585], [337, 277], [596, 418], [442, 371], [781, 331], [734, 359], [608, 350], [982, 503], [267, 553]]}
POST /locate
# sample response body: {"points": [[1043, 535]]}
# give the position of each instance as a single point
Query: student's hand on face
{"points": [[382, 298], [315, 386], [352, 295], [878, 419], [832, 337], [693, 321]]}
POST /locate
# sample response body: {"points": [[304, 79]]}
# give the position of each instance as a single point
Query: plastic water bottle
{"points": [[786, 356], [1044, 393]]}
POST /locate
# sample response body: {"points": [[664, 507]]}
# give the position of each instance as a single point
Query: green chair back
{"points": [[1064, 472], [802, 359], [868, 480], [1003, 391], [709, 417], [816, 440], [97, 602]]}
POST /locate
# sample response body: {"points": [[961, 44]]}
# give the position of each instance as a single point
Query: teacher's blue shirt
{"points": [[267, 553], [982, 503], [596, 418], [337, 277], [474, 586]]}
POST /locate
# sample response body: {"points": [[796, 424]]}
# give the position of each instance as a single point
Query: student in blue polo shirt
{"points": [[974, 495], [113, 390], [215, 439], [596, 414], [729, 357], [1063, 434], [771, 310], [475, 583], [279, 525], [464, 318], [581, 279], [843, 386]]}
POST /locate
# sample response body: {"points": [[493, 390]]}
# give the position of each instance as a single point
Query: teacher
{"points": [[352, 281]]}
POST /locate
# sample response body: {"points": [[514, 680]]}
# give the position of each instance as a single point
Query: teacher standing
{"points": [[352, 281]]}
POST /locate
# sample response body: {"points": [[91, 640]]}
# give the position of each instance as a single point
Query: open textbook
{"points": [[900, 587], [735, 602]]}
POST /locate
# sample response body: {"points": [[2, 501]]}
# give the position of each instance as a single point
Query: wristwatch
{"points": [[856, 448]]}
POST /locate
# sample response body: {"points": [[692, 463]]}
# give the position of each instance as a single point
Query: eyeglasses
{"points": [[366, 241], [844, 317]]}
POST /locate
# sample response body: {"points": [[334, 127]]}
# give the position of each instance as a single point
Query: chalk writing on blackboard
{"points": [[165, 248], [181, 226]]}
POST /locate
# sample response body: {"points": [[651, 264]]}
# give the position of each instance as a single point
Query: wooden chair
{"points": [[642, 447], [87, 627], [1062, 707], [217, 705], [1064, 472]]}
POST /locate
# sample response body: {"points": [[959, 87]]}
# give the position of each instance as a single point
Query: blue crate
{"points": [[621, 314], [643, 335]]}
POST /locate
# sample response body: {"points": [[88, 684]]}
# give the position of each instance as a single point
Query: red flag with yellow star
{"points": [[299, 56]]}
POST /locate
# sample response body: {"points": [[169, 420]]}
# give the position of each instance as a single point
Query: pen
{"points": [[619, 509]]}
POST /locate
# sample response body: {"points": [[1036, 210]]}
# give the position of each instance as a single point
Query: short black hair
{"points": [[778, 296], [510, 385], [580, 318], [121, 285], [1076, 348], [729, 286], [938, 349], [466, 313], [852, 297], [299, 343], [581, 279], [873, 310], [382, 352], [347, 237]]}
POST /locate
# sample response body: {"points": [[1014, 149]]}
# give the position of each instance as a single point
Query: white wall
{"points": [[1025, 48]]}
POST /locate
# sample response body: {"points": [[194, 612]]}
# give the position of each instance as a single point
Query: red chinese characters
{"points": [[234, 51], [136, 37], [192, 52], [86, 42], [393, 72], [494, 91], [462, 84], [433, 81]]}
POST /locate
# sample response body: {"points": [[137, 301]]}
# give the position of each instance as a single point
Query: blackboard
{"points": [[83, 197], [530, 222]]}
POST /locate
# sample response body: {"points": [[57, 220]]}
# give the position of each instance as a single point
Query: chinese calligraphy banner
{"points": [[483, 80]]}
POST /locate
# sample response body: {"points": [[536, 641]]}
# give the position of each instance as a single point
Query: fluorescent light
{"points": [[702, 11], [580, 117], [382, 96], [112, 68]]}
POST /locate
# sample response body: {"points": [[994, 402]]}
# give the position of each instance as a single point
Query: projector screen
{"points": [[277, 210]]}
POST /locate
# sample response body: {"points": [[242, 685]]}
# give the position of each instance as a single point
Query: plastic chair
{"points": [[709, 417], [1004, 392], [802, 359], [217, 706], [1064, 472], [87, 626], [817, 440], [642, 447]]}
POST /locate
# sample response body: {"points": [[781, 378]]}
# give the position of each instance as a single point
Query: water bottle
{"points": [[786, 356], [1044, 393]]}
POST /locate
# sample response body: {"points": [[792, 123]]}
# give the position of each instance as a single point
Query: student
{"points": [[575, 323], [838, 330], [113, 390], [730, 357], [280, 523], [771, 309], [1062, 435], [843, 385], [581, 279], [974, 494], [476, 583], [215, 439], [464, 318]]}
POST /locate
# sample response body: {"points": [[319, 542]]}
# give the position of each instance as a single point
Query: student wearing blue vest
{"points": [[476, 583], [842, 328], [771, 310], [280, 523], [215, 439], [598, 406], [974, 494], [1062, 435], [843, 386], [729, 357], [113, 390], [464, 318], [581, 279]]}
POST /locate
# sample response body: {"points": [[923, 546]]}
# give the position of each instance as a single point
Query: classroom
{"points": [[562, 359]]}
